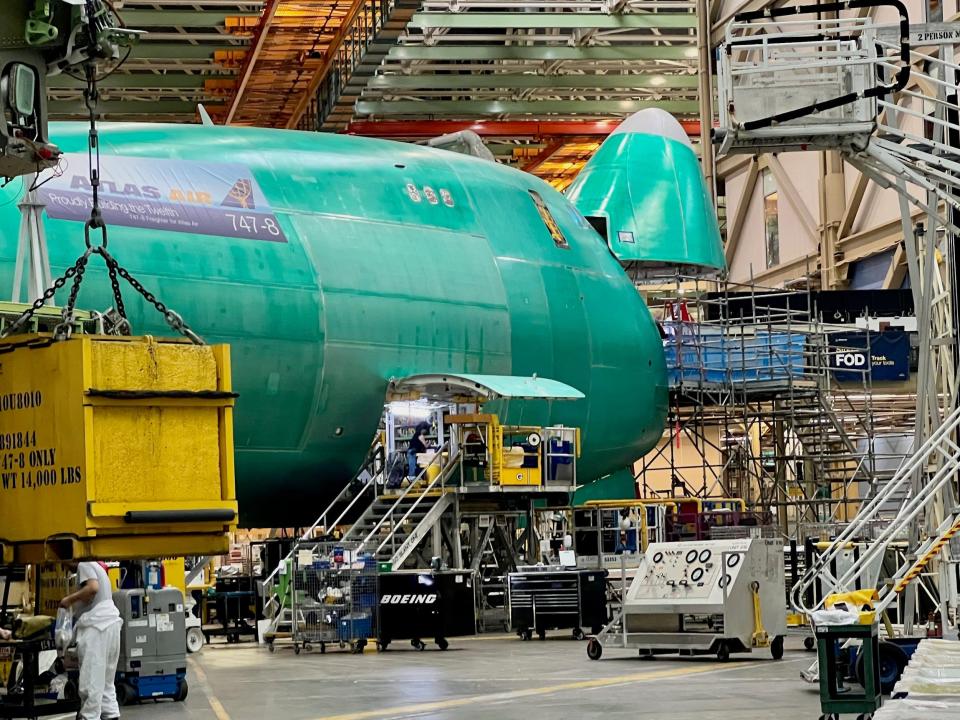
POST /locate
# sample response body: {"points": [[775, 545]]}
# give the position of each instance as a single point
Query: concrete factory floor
{"points": [[484, 677]]}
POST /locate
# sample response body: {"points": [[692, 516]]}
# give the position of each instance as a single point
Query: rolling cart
{"points": [[835, 699], [418, 605], [21, 700], [551, 598], [333, 598]]}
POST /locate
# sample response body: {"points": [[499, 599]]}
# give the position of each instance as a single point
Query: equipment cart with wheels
{"points": [[421, 605], [700, 598], [153, 645], [552, 598], [24, 698], [835, 698], [333, 597]]}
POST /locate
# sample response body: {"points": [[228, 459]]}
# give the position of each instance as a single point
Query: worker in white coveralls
{"points": [[97, 622]]}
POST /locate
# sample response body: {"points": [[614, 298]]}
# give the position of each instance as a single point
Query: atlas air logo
{"points": [[240, 195], [851, 360], [408, 599]]}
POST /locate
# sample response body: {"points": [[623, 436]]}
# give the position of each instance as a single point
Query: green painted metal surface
{"points": [[619, 485], [650, 189], [371, 286], [532, 52], [142, 18], [526, 80], [494, 386], [553, 20], [518, 107]]}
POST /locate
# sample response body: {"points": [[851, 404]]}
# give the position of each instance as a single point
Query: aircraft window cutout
{"points": [[548, 220]]}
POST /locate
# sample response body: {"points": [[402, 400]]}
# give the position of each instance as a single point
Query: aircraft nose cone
{"points": [[654, 121]]}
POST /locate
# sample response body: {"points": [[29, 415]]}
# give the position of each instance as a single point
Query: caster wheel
{"points": [[296, 649], [72, 692], [383, 645], [776, 648], [421, 645], [809, 644], [594, 649], [865, 716], [194, 640], [308, 647], [270, 646], [723, 653], [181, 693], [442, 643], [526, 634], [323, 648], [542, 634], [578, 634], [125, 694]]}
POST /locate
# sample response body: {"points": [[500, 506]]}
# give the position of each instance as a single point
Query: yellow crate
{"points": [[115, 448]]}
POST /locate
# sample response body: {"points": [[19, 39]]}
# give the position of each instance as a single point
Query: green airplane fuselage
{"points": [[346, 262]]}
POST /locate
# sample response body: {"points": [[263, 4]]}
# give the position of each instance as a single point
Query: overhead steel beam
{"points": [[521, 80], [181, 50], [128, 107], [138, 19], [138, 80], [231, 4], [494, 128], [544, 155], [498, 107], [251, 58], [526, 21], [507, 52], [344, 30]]}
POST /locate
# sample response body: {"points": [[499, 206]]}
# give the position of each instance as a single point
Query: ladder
{"points": [[940, 451], [390, 526], [795, 78], [393, 525]]}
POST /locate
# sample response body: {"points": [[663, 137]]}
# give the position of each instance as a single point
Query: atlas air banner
{"points": [[888, 357], [176, 195]]}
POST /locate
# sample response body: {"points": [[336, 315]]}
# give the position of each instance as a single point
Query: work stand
{"points": [[835, 698]]}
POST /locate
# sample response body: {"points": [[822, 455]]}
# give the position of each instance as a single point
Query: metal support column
{"points": [[32, 257], [705, 91]]}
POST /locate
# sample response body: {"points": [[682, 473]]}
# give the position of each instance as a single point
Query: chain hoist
{"points": [[96, 222]]}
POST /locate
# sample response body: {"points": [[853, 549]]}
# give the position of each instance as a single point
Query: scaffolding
{"points": [[756, 409]]}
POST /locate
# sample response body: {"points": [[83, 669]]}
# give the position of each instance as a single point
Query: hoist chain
{"points": [[174, 320], [76, 271], [64, 329]]}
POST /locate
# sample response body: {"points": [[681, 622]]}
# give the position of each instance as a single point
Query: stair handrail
{"points": [[440, 478], [925, 553], [322, 520], [406, 491], [908, 512]]}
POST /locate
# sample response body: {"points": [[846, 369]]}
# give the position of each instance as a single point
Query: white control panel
{"points": [[692, 571]]}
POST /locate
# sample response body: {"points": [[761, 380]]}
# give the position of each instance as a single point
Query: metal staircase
{"points": [[390, 526], [366, 39], [884, 96], [941, 455], [394, 525]]}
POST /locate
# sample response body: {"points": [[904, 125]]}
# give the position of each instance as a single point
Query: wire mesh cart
{"points": [[333, 598], [553, 599]]}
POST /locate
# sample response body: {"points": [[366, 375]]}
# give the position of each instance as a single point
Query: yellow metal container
{"points": [[520, 476], [175, 574], [115, 448]]}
